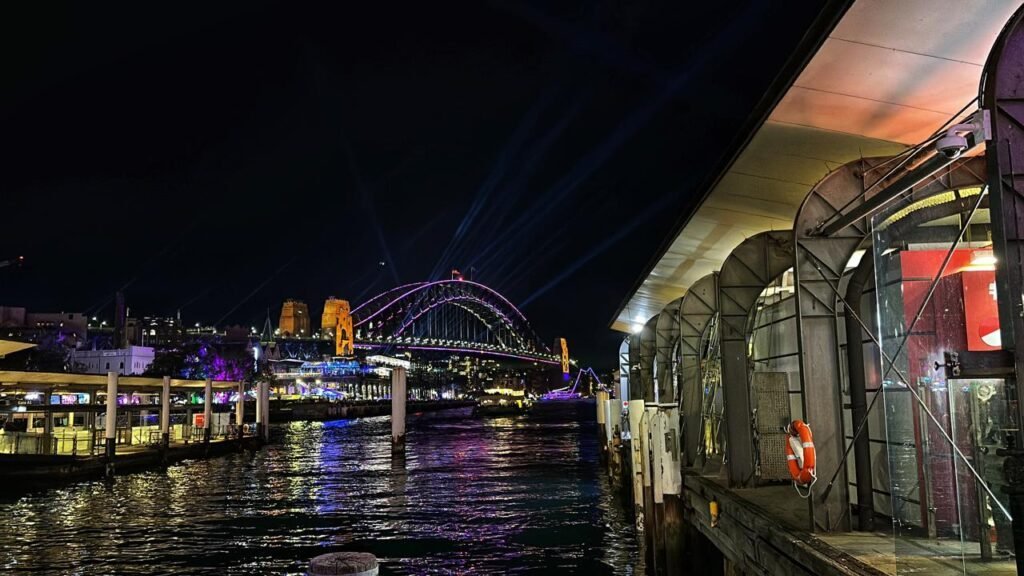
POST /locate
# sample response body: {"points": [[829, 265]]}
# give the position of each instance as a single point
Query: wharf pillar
{"points": [[615, 443], [602, 423], [651, 522], [207, 410], [48, 422], [668, 485], [110, 432], [634, 413], [259, 409], [398, 397], [264, 401], [165, 413], [240, 408]]}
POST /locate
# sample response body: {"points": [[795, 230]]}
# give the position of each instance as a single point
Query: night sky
{"points": [[220, 158]]}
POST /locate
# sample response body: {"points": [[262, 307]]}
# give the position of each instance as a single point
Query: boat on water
{"points": [[499, 404]]}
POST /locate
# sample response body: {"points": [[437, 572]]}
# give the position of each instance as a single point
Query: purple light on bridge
{"points": [[497, 312], [468, 351], [423, 285]]}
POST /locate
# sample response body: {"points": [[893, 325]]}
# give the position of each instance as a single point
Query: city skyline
{"points": [[220, 161]]}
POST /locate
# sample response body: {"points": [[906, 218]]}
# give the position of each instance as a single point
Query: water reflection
{"points": [[469, 497]]}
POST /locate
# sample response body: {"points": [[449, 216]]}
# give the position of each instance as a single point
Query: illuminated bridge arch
{"points": [[448, 315]]}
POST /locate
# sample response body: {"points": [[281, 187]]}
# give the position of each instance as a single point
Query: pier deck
{"points": [[760, 527]]}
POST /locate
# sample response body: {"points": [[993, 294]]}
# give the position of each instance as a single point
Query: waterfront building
{"points": [[159, 332], [125, 361], [70, 327]]}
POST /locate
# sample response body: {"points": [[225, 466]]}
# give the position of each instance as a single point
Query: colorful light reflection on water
{"points": [[474, 497]]}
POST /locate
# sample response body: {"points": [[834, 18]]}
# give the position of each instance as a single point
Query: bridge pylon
{"points": [[338, 318]]}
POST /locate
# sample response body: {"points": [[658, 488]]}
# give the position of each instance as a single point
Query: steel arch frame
{"points": [[696, 312], [748, 270], [821, 269], [389, 315]]}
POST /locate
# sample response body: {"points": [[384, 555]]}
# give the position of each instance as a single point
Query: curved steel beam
{"points": [[666, 352], [696, 313], [748, 270], [648, 346], [820, 268]]}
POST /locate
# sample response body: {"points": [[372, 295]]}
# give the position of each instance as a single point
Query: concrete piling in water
{"points": [[110, 432], [165, 414], [602, 419], [613, 429], [240, 410], [264, 402], [398, 398], [207, 410], [635, 413], [344, 564], [259, 410], [672, 489]]}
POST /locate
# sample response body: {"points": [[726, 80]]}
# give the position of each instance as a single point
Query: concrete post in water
{"points": [[614, 452], [344, 564], [635, 413], [610, 405], [110, 432], [602, 415], [240, 408], [48, 421], [658, 464], [672, 489], [398, 398], [646, 476], [265, 401], [165, 413], [208, 410], [259, 409]]}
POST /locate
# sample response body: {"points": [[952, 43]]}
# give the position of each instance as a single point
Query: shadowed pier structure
{"points": [[857, 264]]}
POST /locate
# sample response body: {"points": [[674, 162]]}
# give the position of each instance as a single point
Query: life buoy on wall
{"points": [[800, 453]]}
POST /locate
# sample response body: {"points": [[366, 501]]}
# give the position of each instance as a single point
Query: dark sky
{"points": [[221, 158]]}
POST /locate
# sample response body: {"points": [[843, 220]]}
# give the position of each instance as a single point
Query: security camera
{"points": [[961, 137], [951, 145]]}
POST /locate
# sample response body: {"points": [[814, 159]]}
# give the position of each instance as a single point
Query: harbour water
{"points": [[474, 496]]}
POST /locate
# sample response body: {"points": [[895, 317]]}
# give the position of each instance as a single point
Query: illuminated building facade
{"points": [[294, 320], [125, 361]]}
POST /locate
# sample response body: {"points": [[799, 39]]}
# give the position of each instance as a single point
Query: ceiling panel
{"points": [[858, 116], [889, 75], [952, 30]]}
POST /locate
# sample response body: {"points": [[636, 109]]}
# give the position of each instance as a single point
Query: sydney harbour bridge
{"points": [[457, 315]]}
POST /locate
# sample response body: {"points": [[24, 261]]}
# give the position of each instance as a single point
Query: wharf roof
{"points": [[876, 79]]}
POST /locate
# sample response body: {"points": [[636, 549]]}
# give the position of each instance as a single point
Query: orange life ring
{"points": [[801, 467]]}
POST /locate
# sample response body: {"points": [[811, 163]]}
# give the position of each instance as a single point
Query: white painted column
{"points": [[635, 412], [110, 432], [266, 411], [165, 412], [264, 401], [240, 408], [259, 409], [398, 397], [208, 410]]}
